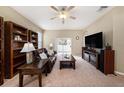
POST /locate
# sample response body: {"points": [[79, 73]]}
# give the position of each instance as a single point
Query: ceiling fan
{"points": [[62, 12]]}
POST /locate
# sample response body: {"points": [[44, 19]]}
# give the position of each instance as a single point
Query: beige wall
{"points": [[50, 37], [118, 38], [112, 25], [11, 15], [103, 24]]}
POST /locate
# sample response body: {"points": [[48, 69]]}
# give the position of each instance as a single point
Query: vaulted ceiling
{"points": [[40, 15]]}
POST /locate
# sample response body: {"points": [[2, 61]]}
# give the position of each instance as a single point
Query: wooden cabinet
{"points": [[1, 51], [33, 37], [15, 37], [106, 64]]}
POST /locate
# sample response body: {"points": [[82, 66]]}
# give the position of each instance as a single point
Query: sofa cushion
{"points": [[43, 55], [36, 56]]}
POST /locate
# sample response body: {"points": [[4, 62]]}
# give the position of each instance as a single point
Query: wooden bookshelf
{"points": [[15, 37], [33, 37], [1, 51]]}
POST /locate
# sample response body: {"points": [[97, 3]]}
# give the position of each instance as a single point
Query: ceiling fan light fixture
{"points": [[63, 15]]}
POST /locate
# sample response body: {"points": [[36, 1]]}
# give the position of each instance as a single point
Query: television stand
{"points": [[91, 56], [103, 61]]}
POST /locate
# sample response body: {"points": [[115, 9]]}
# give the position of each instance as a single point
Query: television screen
{"points": [[95, 40]]}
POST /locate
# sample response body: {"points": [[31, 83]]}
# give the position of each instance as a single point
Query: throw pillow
{"points": [[43, 55]]}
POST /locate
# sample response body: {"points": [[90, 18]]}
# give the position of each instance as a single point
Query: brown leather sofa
{"points": [[52, 58]]}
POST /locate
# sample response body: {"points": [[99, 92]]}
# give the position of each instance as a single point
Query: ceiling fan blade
{"points": [[64, 8], [72, 17], [70, 8], [53, 18], [55, 8]]}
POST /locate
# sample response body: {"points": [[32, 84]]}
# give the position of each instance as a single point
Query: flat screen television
{"points": [[94, 41]]}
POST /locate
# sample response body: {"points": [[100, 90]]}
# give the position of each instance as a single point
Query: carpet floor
{"points": [[85, 75]]}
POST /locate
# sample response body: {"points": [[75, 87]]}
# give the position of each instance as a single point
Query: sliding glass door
{"points": [[64, 45]]}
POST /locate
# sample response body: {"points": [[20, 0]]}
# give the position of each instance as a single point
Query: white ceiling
{"points": [[40, 15]]}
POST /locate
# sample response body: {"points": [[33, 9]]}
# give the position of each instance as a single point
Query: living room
{"points": [[46, 31]]}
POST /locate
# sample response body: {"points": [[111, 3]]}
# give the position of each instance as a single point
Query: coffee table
{"points": [[67, 62], [35, 68]]}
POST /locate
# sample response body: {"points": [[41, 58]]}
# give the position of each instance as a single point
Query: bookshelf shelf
{"points": [[21, 41], [15, 49], [22, 34], [18, 56]]}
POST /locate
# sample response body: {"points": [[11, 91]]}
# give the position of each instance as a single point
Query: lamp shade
{"points": [[51, 45], [28, 47]]}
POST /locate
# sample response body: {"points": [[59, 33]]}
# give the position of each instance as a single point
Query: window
{"points": [[40, 35]]}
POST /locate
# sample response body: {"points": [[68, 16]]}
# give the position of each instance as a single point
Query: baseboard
{"points": [[120, 73]]}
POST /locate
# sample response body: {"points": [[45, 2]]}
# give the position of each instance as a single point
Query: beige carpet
{"points": [[84, 75]]}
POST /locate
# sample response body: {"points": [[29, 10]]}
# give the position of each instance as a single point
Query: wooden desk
{"points": [[35, 68]]}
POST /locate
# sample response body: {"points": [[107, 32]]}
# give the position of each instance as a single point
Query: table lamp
{"points": [[28, 48], [51, 46]]}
